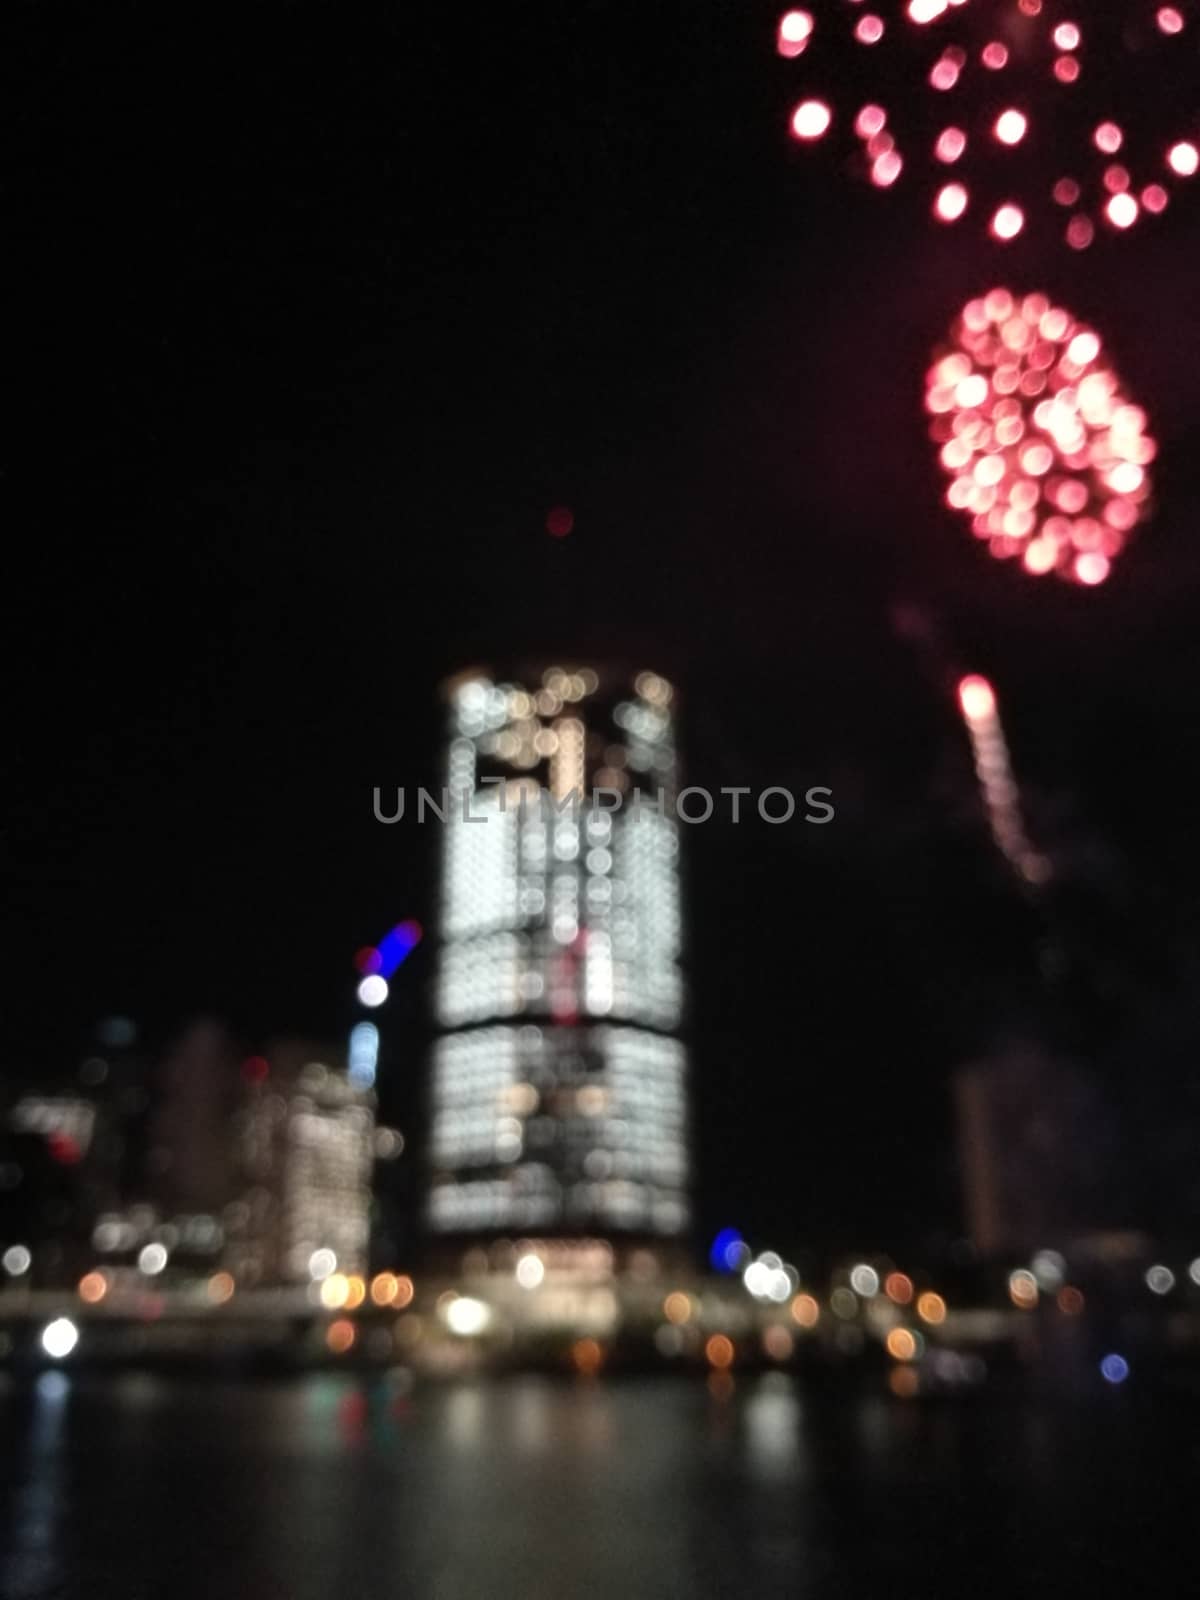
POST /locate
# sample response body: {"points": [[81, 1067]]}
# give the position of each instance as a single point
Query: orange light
{"points": [[356, 1293], [340, 1335], [1070, 1301], [898, 1286], [404, 1292], [931, 1308], [904, 1382], [93, 1286], [778, 1342], [221, 1288], [383, 1288], [587, 1357], [805, 1311], [718, 1351], [335, 1291], [677, 1307], [811, 119], [901, 1345]]}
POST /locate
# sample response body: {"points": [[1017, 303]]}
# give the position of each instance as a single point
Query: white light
{"points": [[756, 1278], [321, 1264], [530, 1271], [152, 1258], [467, 1317], [17, 1260], [779, 1286], [1160, 1280], [1194, 1270], [1049, 1269], [373, 990], [864, 1280], [59, 1338]]}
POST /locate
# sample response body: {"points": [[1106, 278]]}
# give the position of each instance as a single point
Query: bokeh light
{"points": [[1046, 455], [1027, 94]]}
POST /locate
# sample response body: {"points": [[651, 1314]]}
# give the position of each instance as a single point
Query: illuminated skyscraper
{"points": [[305, 1144], [559, 1080]]}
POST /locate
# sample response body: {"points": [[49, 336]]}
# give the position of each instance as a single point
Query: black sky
{"points": [[314, 314]]}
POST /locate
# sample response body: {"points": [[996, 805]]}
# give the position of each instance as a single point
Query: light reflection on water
{"points": [[122, 1487]]}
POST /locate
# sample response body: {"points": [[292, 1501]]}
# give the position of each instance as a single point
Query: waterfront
{"points": [[137, 1486]]}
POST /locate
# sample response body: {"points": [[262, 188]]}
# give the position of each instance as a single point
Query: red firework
{"points": [[1045, 454], [1013, 114]]}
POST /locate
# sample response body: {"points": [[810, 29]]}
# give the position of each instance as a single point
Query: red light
{"points": [[1155, 197], [367, 960], [811, 119], [1066, 69], [559, 522], [64, 1149], [944, 73], [951, 143], [995, 56], [869, 30], [1184, 158], [951, 202], [1066, 36], [795, 29], [255, 1069], [1170, 20], [1080, 233], [1044, 453], [1122, 210], [977, 698], [1008, 222], [1116, 178], [1091, 568], [870, 121], [886, 169], [1109, 138], [1010, 127], [1066, 192]]}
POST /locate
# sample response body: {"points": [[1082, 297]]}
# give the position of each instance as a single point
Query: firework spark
{"points": [[1006, 114], [1045, 454]]}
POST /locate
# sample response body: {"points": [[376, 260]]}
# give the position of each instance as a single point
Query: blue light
{"points": [[396, 946], [1114, 1369], [725, 1250], [364, 1053]]}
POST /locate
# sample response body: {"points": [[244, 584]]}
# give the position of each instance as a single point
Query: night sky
{"points": [[315, 314]]}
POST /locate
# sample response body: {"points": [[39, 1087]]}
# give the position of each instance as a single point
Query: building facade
{"points": [[305, 1150], [559, 1080]]}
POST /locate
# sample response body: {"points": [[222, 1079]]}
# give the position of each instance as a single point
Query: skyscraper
{"points": [[559, 1078]]}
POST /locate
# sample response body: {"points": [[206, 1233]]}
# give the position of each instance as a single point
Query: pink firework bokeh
{"points": [[1046, 455], [1067, 120]]}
